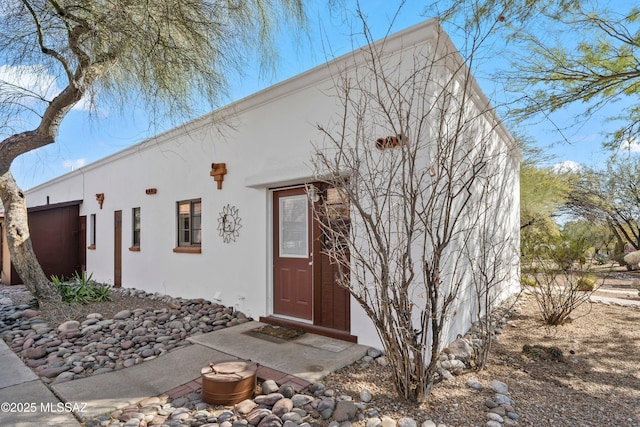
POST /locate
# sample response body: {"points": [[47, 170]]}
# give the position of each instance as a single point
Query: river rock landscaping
{"points": [[593, 381]]}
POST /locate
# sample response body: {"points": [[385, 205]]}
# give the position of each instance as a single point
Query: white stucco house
{"points": [[206, 212]]}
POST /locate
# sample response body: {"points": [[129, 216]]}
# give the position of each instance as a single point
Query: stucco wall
{"points": [[266, 142]]}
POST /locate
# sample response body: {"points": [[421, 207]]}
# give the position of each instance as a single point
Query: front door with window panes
{"points": [[293, 266]]}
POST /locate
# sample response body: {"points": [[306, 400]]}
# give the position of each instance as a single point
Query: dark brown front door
{"points": [[293, 262], [117, 249]]}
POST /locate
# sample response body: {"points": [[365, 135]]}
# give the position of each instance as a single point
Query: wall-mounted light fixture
{"points": [[218, 171], [151, 191], [313, 193], [100, 199]]}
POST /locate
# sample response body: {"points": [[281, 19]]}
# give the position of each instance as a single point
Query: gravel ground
{"points": [[595, 383]]}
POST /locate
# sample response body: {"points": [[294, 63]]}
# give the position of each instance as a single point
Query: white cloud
{"points": [[74, 164], [29, 85], [630, 146], [567, 166]]}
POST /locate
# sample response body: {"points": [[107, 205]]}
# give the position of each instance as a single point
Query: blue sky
{"points": [[84, 139]]}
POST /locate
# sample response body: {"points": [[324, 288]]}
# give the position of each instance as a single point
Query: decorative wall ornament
{"points": [[218, 171], [229, 224], [391, 141], [100, 199]]}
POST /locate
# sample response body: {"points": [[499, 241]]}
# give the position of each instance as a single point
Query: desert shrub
{"points": [[542, 352], [601, 259], [586, 284], [81, 289], [559, 288], [528, 281]]}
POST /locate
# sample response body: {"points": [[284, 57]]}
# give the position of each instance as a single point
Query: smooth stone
{"points": [[501, 399], [299, 400], [499, 387], [69, 325], [475, 385], [387, 421], [35, 353], [270, 421], [407, 422], [365, 395], [344, 411], [126, 345], [495, 417], [282, 406], [286, 390], [269, 399], [269, 386], [121, 315], [245, 407], [374, 352]]}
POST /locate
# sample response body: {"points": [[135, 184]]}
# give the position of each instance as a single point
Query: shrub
{"points": [[601, 259], [528, 281], [586, 284], [82, 289]]}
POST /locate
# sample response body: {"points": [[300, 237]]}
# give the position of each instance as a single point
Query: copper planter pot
{"points": [[229, 382]]}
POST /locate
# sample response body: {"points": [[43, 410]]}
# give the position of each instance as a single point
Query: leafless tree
{"points": [[420, 158], [490, 260]]}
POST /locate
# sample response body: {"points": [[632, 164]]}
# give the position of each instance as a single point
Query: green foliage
{"points": [[166, 55], [563, 52], [543, 352], [569, 252], [543, 191], [586, 284], [561, 284], [608, 198], [82, 289], [601, 259], [528, 281]]}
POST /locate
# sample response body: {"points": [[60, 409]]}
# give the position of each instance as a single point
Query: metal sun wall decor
{"points": [[229, 224]]}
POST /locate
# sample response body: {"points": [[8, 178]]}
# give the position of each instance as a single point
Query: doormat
{"points": [[276, 333]]}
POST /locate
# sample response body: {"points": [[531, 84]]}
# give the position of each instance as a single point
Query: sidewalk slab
{"points": [[14, 370], [309, 356], [33, 405], [616, 301], [113, 390]]}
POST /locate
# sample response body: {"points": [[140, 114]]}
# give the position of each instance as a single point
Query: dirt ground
{"points": [[595, 383]]}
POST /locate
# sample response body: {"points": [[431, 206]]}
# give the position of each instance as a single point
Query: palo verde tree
{"points": [[610, 196], [417, 155], [564, 53], [162, 54]]}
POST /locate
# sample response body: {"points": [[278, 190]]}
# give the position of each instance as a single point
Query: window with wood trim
{"points": [[135, 228], [189, 223]]}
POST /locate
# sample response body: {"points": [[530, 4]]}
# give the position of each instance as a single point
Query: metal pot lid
{"points": [[231, 367], [241, 368]]}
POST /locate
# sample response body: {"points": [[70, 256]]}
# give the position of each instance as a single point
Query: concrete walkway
{"points": [[619, 297], [24, 400], [303, 360]]}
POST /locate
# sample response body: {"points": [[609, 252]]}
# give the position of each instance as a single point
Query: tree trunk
{"points": [[19, 240]]}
